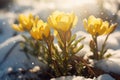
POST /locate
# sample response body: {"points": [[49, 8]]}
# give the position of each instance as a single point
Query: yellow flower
{"points": [[96, 26], [41, 29], [25, 23], [62, 21]]}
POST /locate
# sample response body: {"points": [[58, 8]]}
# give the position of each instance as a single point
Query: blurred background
{"points": [[10, 9]]}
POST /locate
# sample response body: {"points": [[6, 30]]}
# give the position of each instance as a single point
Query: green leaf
{"points": [[109, 55], [72, 39], [60, 44], [78, 49], [79, 40], [105, 51], [32, 44]]}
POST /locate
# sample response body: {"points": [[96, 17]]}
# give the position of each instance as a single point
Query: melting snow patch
{"points": [[105, 77]]}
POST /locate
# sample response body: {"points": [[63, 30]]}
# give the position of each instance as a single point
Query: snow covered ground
{"points": [[15, 61], [101, 77]]}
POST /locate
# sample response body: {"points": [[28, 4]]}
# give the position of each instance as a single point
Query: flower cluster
{"points": [[41, 44], [61, 56]]}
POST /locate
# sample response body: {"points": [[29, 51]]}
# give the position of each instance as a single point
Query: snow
{"points": [[71, 78], [16, 60], [5, 29], [111, 64], [105, 77], [101, 77], [12, 39]]}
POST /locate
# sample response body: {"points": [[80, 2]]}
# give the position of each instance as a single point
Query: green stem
{"points": [[63, 38], [50, 55], [49, 51], [103, 47], [66, 55], [96, 55]]}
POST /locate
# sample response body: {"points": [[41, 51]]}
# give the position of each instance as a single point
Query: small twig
{"points": [[85, 63]]}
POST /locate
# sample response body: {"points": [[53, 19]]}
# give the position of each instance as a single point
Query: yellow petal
{"points": [[40, 23], [35, 33], [36, 20], [85, 24], [105, 24], [62, 26], [97, 25], [75, 21], [52, 22], [31, 16], [91, 19], [22, 18], [91, 30], [64, 18], [111, 28], [55, 33], [17, 27], [46, 30], [102, 30]]}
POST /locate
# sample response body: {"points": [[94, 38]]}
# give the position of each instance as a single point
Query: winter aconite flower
{"points": [[62, 21], [25, 23], [41, 29], [96, 26]]}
